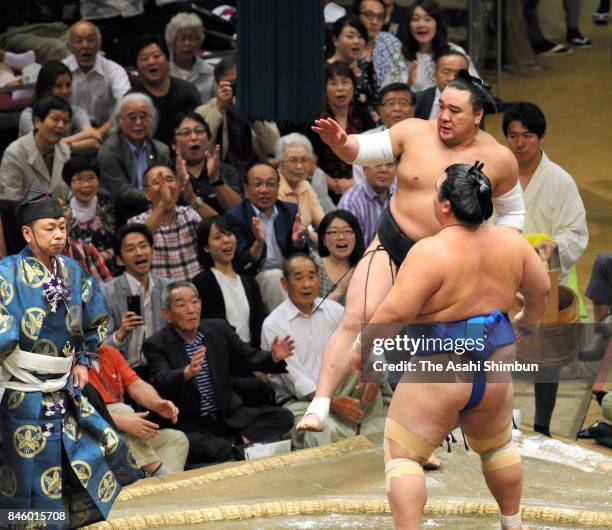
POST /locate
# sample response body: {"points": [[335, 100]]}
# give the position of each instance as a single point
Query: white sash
{"points": [[20, 364]]}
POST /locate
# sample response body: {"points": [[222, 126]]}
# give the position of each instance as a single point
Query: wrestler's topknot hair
{"points": [[480, 96], [469, 191]]}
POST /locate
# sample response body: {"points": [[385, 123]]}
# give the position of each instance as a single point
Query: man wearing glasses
{"points": [[129, 151], [267, 232]]}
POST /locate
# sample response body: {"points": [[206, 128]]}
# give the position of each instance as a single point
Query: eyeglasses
{"points": [[397, 103], [257, 185], [187, 37], [133, 117], [293, 160], [373, 16], [186, 133], [346, 232]]}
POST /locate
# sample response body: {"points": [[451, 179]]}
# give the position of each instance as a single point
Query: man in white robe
{"points": [[551, 197], [553, 207]]}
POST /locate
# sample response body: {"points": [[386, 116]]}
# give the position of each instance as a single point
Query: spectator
{"points": [[127, 330], [540, 44], [599, 289], [170, 95], [396, 102], [83, 252], [294, 154], [340, 248], [340, 83], [156, 451], [226, 294], [216, 183], [426, 40], [184, 36], [39, 155], [129, 150], [349, 37], [311, 322], [119, 23], [98, 82], [554, 209], [267, 232], [93, 213], [191, 361], [234, 298], [448, 63], [242, 143], [382, 48], [367, 200], [173, 227], [601, 16], [397, 20], [55, 79]]}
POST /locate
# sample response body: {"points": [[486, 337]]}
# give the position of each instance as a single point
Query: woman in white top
{"points": [[56, 79], [426, 39], [225, 293], [184, 36]]}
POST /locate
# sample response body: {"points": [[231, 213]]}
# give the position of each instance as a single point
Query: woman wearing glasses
{"points": [[382, 48], [340, 248], [184, 35]]}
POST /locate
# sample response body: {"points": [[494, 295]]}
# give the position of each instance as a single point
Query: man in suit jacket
{"points": [[127, 330], [128, 151], [267, 232], [39, 155], [190, 362], [448, 63]]}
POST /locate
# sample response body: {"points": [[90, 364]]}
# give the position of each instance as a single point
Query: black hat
{"points": [[38, 203]]}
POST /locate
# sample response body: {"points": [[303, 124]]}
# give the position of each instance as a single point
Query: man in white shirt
{"points": [[97, 82], [310, 321]]}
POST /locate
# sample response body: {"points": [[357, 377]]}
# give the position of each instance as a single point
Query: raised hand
{"points": [[330, 132], [258, 229], [282, 348], [194, 367], [298, 230], [213, 162]]}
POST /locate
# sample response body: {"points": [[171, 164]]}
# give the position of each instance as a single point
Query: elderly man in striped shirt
{"points": [[367, 200]]}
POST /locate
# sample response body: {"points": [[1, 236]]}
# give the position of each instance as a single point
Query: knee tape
{"points": [[394, 431], [497, 452], [399, 467]]}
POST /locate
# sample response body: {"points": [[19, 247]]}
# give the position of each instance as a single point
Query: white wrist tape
{"points": [[510, 208], [374, 149], [320, 407], [511, 521]]}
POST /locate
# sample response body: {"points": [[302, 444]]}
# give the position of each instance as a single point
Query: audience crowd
{"points": [[224, 249]]}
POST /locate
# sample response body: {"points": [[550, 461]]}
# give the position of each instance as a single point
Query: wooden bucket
{"points": [[554, 344]]}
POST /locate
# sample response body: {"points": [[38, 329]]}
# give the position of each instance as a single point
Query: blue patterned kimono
{"points": [[57, 453]]}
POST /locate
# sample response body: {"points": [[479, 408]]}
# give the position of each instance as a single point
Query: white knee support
{"points": [[510, 208], [374, 149]]}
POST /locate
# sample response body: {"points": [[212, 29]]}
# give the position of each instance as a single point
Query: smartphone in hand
{"points": [[133, 304]]}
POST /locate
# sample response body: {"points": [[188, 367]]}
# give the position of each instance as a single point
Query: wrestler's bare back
{"points": [[424, 157]]}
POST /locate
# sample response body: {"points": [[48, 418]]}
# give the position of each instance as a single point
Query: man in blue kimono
{"points": [[58, 454]]}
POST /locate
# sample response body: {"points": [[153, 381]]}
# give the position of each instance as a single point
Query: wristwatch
{"points": [[198, 203]]}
